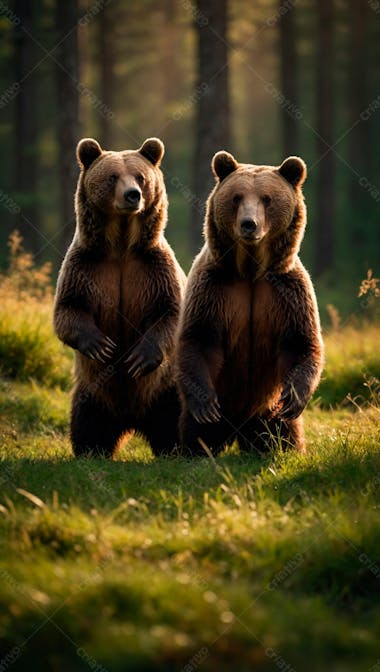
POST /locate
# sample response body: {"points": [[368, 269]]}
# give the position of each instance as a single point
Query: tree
{"points": [[67, 80], [324, 250], [288, 77], [360, 154], [106, 23], [25, 125], [212, 123]]}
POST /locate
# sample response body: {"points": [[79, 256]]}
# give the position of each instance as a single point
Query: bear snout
{"points": [[132, 197], [128, 197], [250, 230], [250, 222], [248, 227]]}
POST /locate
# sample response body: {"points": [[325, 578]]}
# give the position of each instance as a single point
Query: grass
{"points": [[143, 564], [352, 366], [28, 347], [250, 563]]}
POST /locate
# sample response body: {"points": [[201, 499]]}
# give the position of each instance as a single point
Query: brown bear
{"points": [[117, 302], [249, 349]]}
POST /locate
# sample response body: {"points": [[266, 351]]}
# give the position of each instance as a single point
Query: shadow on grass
{"points": [[105, 485], [88, 483]]}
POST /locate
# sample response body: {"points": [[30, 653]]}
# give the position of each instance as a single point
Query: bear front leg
{"points": [[94, 431], [199, 362], [77, 329], [198, 365], [298, 387], [160, 319], [73, 317], [302, 345]]}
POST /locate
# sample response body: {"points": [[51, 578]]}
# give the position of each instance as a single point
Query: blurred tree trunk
{"points": [[25, 126], [66, 57], [106, 23], [360, 152], [288, 77], [170, 70], [324, 251], [212, 130]]}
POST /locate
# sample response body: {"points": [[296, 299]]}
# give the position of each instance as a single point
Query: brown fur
{"points": [[249, 352], [117, 302]]}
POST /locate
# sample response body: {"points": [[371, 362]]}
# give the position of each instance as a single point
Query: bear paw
{"points": [[291, 403], [205, 409], [144, 358], [96, 345]]}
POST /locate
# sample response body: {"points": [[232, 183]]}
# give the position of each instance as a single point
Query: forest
{"points": [[246, 560], [263, 79]]}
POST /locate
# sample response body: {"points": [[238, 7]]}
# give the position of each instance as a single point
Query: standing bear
{"points": [[249, 351], [117, 302]]}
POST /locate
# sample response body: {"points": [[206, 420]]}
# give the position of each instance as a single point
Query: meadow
{"points": [[247, 562]]}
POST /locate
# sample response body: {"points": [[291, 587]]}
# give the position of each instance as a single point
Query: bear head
{"points": [[258, 210], [126, 187]]}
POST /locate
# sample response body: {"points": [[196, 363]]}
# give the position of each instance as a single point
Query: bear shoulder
{"points": [[204, 296]]}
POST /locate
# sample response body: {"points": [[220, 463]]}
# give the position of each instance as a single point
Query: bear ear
{"points": [[222, 164], [293, 169], [153, 149], [87, 151]]}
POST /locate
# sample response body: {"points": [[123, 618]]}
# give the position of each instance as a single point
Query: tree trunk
{"points": [[66, 57], [324, 252], [25, 127], [288, 78], [212, 131], [360, 153], [106, 22]]}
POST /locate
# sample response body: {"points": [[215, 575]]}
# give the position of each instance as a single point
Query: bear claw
{"points": [[208, 413], [291, 404], [143, 359]]}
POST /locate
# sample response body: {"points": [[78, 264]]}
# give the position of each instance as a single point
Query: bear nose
{"points": [[132, 196], [248, 226]]}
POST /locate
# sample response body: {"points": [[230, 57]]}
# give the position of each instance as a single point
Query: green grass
{"points": [[28, 347], [155, 564], [352, 366]]}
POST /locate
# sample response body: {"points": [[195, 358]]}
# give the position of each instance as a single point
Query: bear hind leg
{"points": [[264, 435], [216, 436], [160, 425], [94, 430]]}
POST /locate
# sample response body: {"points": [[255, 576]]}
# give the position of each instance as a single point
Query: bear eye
{"points": [[266, 200], [236, 199], [140, 178], [113, 179]]}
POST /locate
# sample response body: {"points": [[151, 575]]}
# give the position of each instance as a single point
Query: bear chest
{"points": [[253, 318], [119, 292]]}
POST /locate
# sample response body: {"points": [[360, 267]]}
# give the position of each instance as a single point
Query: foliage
{"points": [[352, 368], [370, 289], [23, 279], [370, 286], [28, 347]]}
